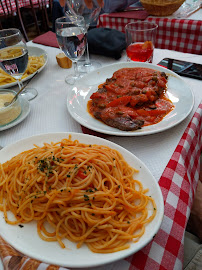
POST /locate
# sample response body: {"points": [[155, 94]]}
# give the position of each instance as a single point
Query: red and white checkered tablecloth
{"points": [[21, 3], [178, 183], [182, 35]]}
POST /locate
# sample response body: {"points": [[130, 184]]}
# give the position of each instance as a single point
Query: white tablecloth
{"points": [[49, 112]]}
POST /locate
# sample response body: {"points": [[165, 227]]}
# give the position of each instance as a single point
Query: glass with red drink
{"points": [[140, 40]]}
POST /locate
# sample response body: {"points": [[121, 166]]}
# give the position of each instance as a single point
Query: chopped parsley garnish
{"points": [[45, 166], [86, 198], [89, 190]]}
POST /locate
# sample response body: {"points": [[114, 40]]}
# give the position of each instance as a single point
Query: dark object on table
{"points": [[107, 42], [183, 68]]}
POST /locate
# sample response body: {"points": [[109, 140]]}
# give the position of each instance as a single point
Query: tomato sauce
{"points": [[131, 98]]}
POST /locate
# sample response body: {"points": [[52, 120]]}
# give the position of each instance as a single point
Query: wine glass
{"points": [[71, 36], [14, 57], [90, 17]]}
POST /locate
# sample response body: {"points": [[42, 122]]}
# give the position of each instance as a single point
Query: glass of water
{"points": [[90, 16], [14, 57], [71, 36]]}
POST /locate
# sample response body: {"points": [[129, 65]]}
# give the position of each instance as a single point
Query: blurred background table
{"points": [[22, 3], [183, 34], [23, 14]]}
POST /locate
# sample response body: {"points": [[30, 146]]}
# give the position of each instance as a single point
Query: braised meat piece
{"points": [[124, 123], [118, 118]]}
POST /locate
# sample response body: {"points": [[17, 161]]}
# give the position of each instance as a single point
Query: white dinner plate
{"points": [[178, 92], [26, 239], [32, 51], [25, 110]]}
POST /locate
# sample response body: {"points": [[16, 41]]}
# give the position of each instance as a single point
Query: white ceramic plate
{"points": [[178, 92], [26, 239], [32, 51], [24, 113]]}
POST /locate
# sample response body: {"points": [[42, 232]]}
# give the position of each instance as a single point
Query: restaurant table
{"points": [[21, 3], [182, 143], [183, 35]]}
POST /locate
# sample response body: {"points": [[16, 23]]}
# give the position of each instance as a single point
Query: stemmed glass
{"points": [[14, 57], [71, 37], [90, 17]]}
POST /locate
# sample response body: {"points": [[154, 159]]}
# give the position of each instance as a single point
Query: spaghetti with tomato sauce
{"points": [[131, 98]]}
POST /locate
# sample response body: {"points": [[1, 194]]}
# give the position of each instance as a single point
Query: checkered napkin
{"points": [[178, 183], [181, 35]]}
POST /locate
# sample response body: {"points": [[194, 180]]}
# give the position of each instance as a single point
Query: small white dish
{"points": [[12, 110], [32, 51], [25, 110], [178, 92], [27, 241]]}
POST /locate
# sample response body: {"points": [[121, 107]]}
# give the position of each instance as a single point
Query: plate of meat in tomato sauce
{"points": [[130, 99]]}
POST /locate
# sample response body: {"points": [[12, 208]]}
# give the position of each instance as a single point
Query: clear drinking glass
{"points": [[140, 41], [71, 37], [14, 57], [90, 16]]}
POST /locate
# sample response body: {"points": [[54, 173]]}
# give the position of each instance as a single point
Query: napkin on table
{"points": [[47, 39], [133, 14]]}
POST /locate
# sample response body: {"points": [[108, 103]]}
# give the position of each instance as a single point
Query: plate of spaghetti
{"points": [[76, 196], [37, 61], [130, 99]]}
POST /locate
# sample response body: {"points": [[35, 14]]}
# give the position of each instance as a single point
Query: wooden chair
{"points": [[41, 8], [10, 15]]}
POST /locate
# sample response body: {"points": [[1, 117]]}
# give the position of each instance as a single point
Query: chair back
{"points": [[21, 20], [10, 10], [42, 6]]}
